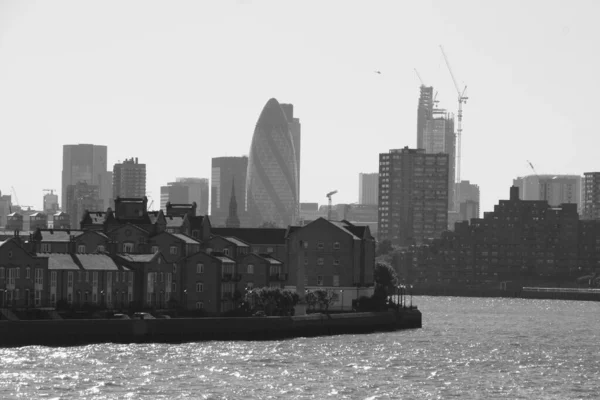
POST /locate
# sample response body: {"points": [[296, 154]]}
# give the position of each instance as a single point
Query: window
{"points": [[319, 280], [174, 268], [39, 276], [336, 245], [256, 250], [200, 268], [81, 248], [336, 280], [10, 254], [87, 276], [305, 245], [117, 277], [100, 248], [162, 277], [306, 261], [250, 268], [320, 245], [46, 248], [127, 247], [336, 262], [269, 250], [199, 305], [199, 287], [70, 298], [195, 234], [18, 273], [305, 280], [173, 250], [17, 294], [226, 252], [70, 279], [95, 278], [28, 273], [320, 261], [154, 249]]}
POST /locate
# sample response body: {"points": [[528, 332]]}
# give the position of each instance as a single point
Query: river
{"points": [[468, 348]]}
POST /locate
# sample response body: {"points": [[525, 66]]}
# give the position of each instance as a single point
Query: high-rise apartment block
{"points": [[555, 189], [186, 191], [85, 163], [424, 112], [590, 204], [129, 179], [226, 170], [5, 208], [368, 188], [51, 203], [413, 196]]}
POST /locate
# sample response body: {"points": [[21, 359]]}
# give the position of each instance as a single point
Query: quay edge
{"points": [[179, 330]]}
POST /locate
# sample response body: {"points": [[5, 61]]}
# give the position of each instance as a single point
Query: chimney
{"points": [[514, 193]]}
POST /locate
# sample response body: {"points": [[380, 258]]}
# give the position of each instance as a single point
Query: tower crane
{"points": [[419, 76], [462, 99], [532, 168], [328, 195]]}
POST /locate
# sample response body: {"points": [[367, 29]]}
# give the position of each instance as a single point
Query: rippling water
{"points": [[468, 348]]}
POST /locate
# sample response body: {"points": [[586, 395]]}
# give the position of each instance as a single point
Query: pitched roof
{"points": [[59, 261], [59, 235], [138, 258], [97, 262], [235, 241], [253, 235], [185, 238], [129, 225], [269, 259], [223, 259], [174, 222], [153, 215]]}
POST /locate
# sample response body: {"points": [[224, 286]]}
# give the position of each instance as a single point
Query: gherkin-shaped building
{"points": [[272, 181]]}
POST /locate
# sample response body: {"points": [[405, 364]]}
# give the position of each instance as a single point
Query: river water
{"points": [[468, 348]]}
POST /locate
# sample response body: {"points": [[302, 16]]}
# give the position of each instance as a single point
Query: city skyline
{"points": [[47, 91]]}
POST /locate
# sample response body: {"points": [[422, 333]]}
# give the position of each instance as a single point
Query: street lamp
{"points": [[342, 295], [411, 286]]}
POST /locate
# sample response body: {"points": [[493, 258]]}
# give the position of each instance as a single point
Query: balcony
{"points": [[226, 277]]}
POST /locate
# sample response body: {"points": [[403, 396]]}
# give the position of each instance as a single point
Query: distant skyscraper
{"points": [[272, 183], [424, 112], [80, 197], [224, 170], [468, 192], [129, 179], [368, 188], [439, 137], [591, 196], [82, 163], [5, 208], [186, 191], [555, 189], [295, 130], [413, 196], [51, 203]]}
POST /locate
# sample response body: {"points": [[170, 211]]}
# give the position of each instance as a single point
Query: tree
{"points": [[324, 298], [385, 276]]}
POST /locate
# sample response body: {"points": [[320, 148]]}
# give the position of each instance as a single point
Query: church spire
{"points": [[233, 220]]}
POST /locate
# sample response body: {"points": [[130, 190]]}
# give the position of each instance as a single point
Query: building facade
{"points": [[591, 196], [368, 188], [83, 163], [129, 179], [555, 189], [413, 196], [296, 131], [272, 182], [81, 197], [224, 171], [424, 113], [5, 208], [50, 203]]}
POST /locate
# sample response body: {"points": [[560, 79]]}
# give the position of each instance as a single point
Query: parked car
{"points": [[143, 315]]}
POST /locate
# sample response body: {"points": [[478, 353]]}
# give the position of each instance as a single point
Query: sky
{"points": [[176, 83]]}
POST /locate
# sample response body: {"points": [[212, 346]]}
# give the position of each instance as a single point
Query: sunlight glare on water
{"points": [[468, 348]]}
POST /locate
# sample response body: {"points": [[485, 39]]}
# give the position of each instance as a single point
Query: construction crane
{"points": [[328, 195], [532, 168], [462, 99], [14, 192], [419, 76]]}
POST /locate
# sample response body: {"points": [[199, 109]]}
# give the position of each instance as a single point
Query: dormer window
{"points": [[46, 248]]}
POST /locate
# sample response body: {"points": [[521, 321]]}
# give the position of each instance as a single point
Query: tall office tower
{"points": [[272, 182], [591, 196], [468, 193], [295, 130], [555, 189], [439, 137], [50, 203], [413, 196], [83, 163], [186, 191], [80, 197], [129, 179], [424, 112], [368, 188], [224, 171], [5, 208]]}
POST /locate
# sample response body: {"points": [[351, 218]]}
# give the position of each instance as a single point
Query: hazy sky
{"points": [[176, 83]]}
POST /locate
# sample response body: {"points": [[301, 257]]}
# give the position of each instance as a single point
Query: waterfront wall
{"points": [[536, 293], [76, 332]]}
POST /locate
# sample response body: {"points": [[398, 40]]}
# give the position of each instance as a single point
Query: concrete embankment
{"points": [[77, 332], [539, 293]]}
